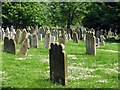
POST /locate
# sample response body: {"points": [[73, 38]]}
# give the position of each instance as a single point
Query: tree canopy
{"points": [[97, 15]]}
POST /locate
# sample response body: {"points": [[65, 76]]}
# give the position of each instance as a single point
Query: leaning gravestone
{"points": [[9, 45], [58, 64], [90, 43]]}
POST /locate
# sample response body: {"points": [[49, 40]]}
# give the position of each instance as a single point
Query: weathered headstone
{"points": [[105, 34], [7, 32], [56, 34], [84, 34], [97, 41], [1, 35], [97, 34], [75, 37], [58, 64], [52, 39], [17, 36], [102, 42], [9, 45], [62, 39], [109, 33], [24, 47], [35, 41], [80, 34], [6, 44], [90, 43], [30, 39], [47, 40], [12, 46], [23, 35], [40, 37]]}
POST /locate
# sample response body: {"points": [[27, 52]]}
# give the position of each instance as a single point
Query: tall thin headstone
{"points": [[90, 43], [24, 35], [47, 40], [58, 64], [35, 41], [75, 37]]}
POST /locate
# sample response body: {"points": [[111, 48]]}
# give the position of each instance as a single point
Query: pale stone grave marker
{"points": [[24, 47], [52, 39], [90, 43], [47, 40]]}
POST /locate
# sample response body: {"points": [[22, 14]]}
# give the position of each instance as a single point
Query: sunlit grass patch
{"points": [[84, 71]]}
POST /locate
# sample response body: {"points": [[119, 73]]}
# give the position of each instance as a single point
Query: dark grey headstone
{"points": [[30, 40], [58, 64], [12, 46], [9, 45], [6, 44]]}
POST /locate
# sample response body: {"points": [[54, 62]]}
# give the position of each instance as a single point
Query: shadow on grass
{"points": [[113, 40]]}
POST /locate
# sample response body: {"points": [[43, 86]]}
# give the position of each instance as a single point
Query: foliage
{"points": [[102, 15], [95, 15], [23, 13]]}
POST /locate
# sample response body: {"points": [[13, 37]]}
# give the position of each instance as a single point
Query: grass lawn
{"points": [[84, 71]]}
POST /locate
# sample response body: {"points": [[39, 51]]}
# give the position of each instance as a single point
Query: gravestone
{"points": [[84, 34], [7, 32], [80, 34], [109, 33], [75, 37], [102, 40], [1, 35], [24, 47], [30, 39], [58, 64], [23, 35], [17, 36], [40, 37], [90, 43], [6, 44], [105, 34], [9, 45], [56, 34], [52, 39], [12, 46], [97, 41], [97, 34], [62, 39], [47, 40], [35, 41]]}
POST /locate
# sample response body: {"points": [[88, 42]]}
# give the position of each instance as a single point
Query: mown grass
{"points": [[84, 71]]}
